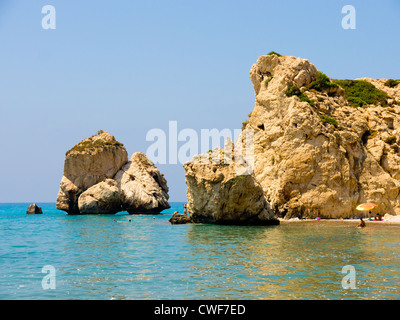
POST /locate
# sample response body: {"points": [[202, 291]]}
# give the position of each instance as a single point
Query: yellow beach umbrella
{"points": [[366, 206]]}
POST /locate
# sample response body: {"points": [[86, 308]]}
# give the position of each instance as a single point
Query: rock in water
{"points": [[34, 209], [103, 197], [311, 144], [222, 193], [316, 152], [180, 219], [99, 179], [89, 162], [143, 189]]}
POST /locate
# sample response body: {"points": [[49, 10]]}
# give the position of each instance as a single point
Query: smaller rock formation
{"points": [[180, 219], [103, 197], [34, 209], [217, 193], [143, 189], [98, 178]]}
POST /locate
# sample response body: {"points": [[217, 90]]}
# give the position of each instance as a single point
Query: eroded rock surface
{"points": [[102, 198], [143, 188], [98, 178], [315, 153]]}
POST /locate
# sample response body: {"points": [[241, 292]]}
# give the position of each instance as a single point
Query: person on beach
{"points": [[361, 224], [175, 213], [369, 215], [185, 209], [378, 217]]}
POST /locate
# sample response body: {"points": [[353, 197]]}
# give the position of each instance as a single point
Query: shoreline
{"points": [[387, 220]]}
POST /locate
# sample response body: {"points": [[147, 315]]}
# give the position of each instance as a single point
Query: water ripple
{"points": [[98, 258]]}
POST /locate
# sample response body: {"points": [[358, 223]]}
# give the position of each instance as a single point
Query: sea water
{"points": [[110, 257]]}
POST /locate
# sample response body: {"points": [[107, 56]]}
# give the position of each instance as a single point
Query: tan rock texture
{"points": [[99, 179], [89, 162], [102, 198], [143, 188], [217, 194], [305, 166], [34, 209]]}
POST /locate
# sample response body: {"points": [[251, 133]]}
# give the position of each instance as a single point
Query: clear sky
{"points": [[131, 66]]}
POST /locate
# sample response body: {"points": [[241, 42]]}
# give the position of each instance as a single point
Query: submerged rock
{"points": [[34, 209]]}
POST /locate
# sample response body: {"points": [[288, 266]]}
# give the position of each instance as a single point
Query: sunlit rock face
{"points": [[318, 150]]}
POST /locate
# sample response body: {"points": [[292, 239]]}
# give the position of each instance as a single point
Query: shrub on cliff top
{"points": [[273, 52], [360, 93], [91, 144], [392, 83], [322, 82]]}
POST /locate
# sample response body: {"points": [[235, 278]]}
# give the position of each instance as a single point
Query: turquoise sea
{"points": [[95, 257]]}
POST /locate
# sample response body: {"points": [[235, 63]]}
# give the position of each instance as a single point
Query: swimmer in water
{"points": [[361, 224]]}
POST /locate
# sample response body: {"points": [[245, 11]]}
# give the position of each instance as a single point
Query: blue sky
{"points": [[130, 66]]}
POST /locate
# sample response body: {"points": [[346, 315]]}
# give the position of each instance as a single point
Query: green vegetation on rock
{"points": [[273, 52], [90, 144], [237, 179], [360, 93], [322, 82], [326, 119], [268, 80], [392, 83], [295, 91]]}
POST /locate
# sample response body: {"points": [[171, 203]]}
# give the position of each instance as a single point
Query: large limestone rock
{"points": [[91, 161], [143, 188], [103, 197], [218, 194], [308, 167], [314, 153]]}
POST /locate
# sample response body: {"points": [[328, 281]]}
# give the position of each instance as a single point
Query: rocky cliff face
{"points": [[92, 179], [320, 147]]}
